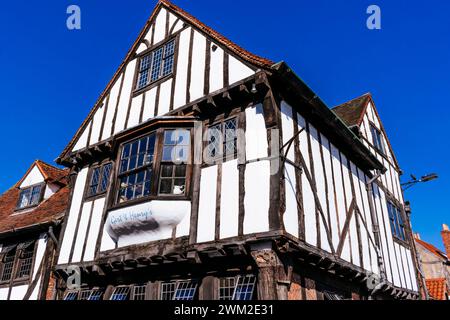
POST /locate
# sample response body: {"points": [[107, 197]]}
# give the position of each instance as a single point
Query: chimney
{"points": [[446, 239], [417, 236]]}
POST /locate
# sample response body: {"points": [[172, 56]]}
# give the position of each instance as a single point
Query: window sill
{"points": [[401, 242], [148, 199], [95, 197], [151, 85]]}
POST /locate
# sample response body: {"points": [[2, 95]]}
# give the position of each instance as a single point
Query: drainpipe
{"points": [[53, 237], [376, 231]]}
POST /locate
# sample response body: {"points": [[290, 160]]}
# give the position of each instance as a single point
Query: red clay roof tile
{"points": [[437, 288]]}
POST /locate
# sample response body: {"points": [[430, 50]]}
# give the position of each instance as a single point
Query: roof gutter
{"points": [[292, 84], [42, 226]]}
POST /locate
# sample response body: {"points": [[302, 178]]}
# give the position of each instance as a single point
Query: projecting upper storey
{"points": [[176, 63]]}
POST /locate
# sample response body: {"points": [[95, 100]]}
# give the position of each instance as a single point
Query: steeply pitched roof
{"points": [[234, 48], [48, 210], [241, 52], [431, 248], [437, 288], [352, 112]]}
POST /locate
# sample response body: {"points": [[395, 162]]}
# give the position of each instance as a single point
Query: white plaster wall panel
{"points": [[216, 69], [338, 184], [164, 97], [160, 26], [142, 47], [50, 189], [257, 194], [363, 233], [320, 185], [172, 20], [308, 195], [255, 134], [352, 231], [40, 251], [198, 66], [34, 177], [69, 232], [368, 218], [229, 200], [178, 26], [122, 108], [94, 229], [290, 217], [331, 192], [35, 293], [390, 242], [135, 111], [107, 242], [384, 244], [287, 123], [406, 268], [389, 178], [148, 36], [82, 140], [149, 104], [397, 184], [82, 230], [183, 228], [237, 70], [398, 257], [17, 293], [97, 124], [412, 270], [182, 65], [207, 205], [4, 293], [111, 109]]}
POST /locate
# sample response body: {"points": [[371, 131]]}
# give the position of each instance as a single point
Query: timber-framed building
{"points": [[31, 213], [298, 202]]}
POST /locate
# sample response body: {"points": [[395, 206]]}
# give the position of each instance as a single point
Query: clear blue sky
{"points": [[50, 76]]}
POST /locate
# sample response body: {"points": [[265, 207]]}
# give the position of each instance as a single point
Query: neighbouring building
{"points": [[30, 216], [435, 266], [204, 171]]}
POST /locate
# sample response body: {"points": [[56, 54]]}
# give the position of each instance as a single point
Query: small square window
{"points": [[99, 180], [30, 197]]}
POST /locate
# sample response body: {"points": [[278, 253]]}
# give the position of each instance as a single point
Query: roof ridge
{"points": [[432, 246]]}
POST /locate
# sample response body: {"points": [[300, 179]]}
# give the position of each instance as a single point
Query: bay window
{"points": [[157, 164]]}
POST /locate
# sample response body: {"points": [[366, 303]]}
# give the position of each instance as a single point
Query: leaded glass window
{"points": [[237, 288], [99, 180], [157, 64], [175, 155], [136, 168], [222, 141], [30, 197]]}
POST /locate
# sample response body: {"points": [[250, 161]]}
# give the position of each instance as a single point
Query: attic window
{"points": [[156, 65], [30, 197], [377, 138]]}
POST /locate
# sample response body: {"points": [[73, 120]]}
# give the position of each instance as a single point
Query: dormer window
{"points": [[30, 197], [377, 139], [156, 65]]}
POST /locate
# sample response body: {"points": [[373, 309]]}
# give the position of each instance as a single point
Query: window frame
{"points": [[156, 166], [16, 263], [222, 158], [380, 148], [399, 213], [237, 284], [149, 51], [42, 185], [177, 284], [101, 167], [80, 291]]}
